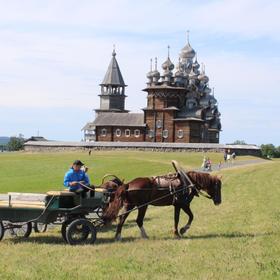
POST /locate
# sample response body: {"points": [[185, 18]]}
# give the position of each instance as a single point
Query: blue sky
{"points": [[54, 54]]}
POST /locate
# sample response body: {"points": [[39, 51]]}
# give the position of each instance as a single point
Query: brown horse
{"points": [[161, 191]]}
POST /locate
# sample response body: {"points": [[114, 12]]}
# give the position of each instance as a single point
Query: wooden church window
{"points": [[136, 132], [104, 132], [118, 132], [165, 133], [159, 123], [180, 133]]}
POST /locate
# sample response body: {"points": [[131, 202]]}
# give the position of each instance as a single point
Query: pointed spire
{"points": [[155, 73], [168, 66], [113, 75], [187, 51], [202, 68], [114, 50], [213, 91], [188, 36], [150, 73], [155, 63]]}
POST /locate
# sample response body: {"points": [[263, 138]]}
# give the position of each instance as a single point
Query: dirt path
{"points": [[234, 164]]}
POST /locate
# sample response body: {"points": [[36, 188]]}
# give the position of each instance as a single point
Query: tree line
{"points": [[267, 150]]}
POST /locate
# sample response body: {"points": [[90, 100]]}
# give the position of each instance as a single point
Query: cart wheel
{"points": [[81, 231], [2, 230], [40, 227], [24, 230]]}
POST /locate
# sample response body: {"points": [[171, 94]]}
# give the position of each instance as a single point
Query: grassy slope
{"points": [[237, 240], [42, 172]]}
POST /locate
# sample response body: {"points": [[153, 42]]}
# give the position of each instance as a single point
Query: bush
{"points": [[239, 142], [15, 144], [270, 151]]}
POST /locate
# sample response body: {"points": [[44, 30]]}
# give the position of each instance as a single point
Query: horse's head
{"points": [[210, 184], [214, 190], [110, 187]]}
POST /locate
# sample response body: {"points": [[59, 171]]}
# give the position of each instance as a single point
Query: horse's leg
{"points": [[140, 219], [188, 211], [122, 219], [177, 209]]}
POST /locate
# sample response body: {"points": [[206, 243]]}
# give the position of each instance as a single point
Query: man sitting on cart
{"points": [[76, 179]]}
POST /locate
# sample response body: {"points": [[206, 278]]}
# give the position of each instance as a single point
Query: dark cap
{"points": [[78, 162]]}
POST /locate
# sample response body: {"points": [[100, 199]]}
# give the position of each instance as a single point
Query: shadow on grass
{"points": [[112, 227], [57, 240], [228, 235]]}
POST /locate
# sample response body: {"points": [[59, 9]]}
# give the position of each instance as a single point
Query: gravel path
{"points": [[233, 164]]}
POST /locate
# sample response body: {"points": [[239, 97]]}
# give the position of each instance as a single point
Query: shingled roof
{"points": [[113, 75], [119, 119]]}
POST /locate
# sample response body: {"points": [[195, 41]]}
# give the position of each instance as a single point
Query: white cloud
{"points": [[247, 18]]}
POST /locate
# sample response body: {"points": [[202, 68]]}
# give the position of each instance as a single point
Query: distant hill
{"points": [[4, 140]]}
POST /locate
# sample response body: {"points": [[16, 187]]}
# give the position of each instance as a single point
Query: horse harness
{"points": [[174, 185], [188, 187]]}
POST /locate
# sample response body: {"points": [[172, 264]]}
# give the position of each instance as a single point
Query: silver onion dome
{"points": [[202, 77], [196, 65], [150, 73], [167, 65]]}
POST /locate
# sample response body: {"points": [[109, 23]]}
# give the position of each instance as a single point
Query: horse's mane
{"points": [[117, 181], [201, 179]]}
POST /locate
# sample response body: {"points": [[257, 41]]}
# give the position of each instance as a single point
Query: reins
{"points": [[152, 201]]}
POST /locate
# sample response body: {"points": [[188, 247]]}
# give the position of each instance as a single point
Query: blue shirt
{"points": [[72, 176]]}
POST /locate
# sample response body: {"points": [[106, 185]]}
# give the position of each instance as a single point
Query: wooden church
{"points": [[180, 106]]}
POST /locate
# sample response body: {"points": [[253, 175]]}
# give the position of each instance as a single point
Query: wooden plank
{"points": [[4, 197], [27, 196]]}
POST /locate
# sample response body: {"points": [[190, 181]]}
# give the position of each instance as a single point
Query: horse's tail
{"points": [[114, 207]]}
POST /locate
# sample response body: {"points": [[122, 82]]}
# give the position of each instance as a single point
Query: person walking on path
{"points": [[203, 165]]}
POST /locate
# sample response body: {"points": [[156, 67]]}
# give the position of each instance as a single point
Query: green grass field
{"points": [[237, 240]]}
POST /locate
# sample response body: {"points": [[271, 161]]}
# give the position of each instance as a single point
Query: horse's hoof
{"points": [[183, 230], [177, 235], [145, 237]]}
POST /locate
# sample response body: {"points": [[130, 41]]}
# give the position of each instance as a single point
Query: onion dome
{"points": [[155, 74], [213, 100], [205, 100], [196, 65], [150, 73], [187, 52], [179, 72], [167, 65], [207, 90], [202, 77], [193, 75]]}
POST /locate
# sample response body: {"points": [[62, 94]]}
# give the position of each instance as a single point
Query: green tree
{"points": [[239, 142], [15, 144], [268, 150], [277, 152]]}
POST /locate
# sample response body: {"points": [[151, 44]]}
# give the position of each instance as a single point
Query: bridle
{"points": [[183, 175]]}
